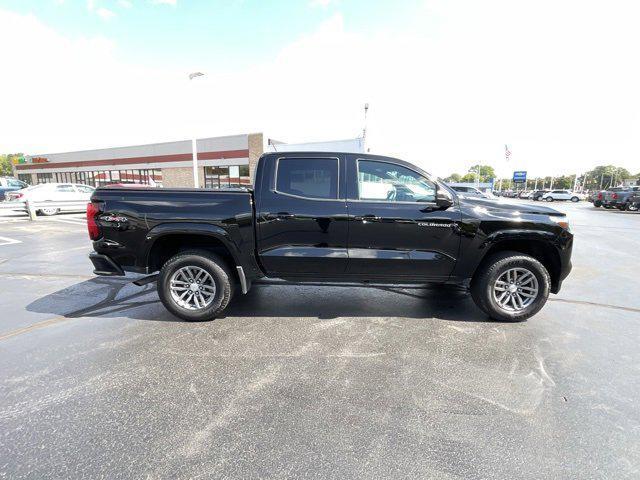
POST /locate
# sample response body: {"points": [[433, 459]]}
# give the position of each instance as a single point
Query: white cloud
{"points": [[164, 2], [105, 13], [446, 91], [321, 3], [125, 3]]}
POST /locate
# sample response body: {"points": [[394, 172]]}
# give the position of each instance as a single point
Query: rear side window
{"points": [[308, 177], [64, 188], [84, 188]]}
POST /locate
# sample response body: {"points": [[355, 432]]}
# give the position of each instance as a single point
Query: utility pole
{"points": [[575, 183], [601, 180], [535, 187], [551, 186], [194, 143]]}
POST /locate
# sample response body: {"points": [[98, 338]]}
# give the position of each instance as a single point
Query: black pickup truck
{"points": [[327, 217]]}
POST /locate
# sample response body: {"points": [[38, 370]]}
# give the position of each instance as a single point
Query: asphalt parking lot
{"points": [[99, 381]]}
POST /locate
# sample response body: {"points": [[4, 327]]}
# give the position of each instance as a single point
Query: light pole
{"points": [[194, 143]]}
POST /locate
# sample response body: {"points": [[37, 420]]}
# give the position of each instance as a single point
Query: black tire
{"points": [[575, 199], [597, 204], [490, 271], [549, 199], [632, 207], [214, 266]]}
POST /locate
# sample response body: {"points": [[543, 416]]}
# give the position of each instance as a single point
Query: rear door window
{"points": [[308, 177]]}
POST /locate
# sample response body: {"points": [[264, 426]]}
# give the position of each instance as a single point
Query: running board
{"points": [[145, 280]]}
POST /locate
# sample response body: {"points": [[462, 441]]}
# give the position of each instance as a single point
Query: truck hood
{"points": [[500, 205]]}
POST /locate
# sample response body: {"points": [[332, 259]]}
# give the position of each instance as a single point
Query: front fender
{"points": [[517, 234]]}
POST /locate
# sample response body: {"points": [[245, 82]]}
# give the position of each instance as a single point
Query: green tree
{"points": [[5, 163], [605, 176], [453, 178], [486, 172], [469, 178]]}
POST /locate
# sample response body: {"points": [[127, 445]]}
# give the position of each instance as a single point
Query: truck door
{"points": [[301, 216], [395, 230]]}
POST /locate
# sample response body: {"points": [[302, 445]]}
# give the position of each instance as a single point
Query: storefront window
{"points": [[25, 177], [100, 178], [233, 176]]}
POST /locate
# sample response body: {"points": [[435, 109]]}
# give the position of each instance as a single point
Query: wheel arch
{"points": [[541, 249], [166, 240]]}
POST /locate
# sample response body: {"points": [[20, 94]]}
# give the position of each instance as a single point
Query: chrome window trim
{"points": [[359, 200], [274, 188]]}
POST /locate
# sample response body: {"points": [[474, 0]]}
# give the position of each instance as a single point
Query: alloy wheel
{"points": [[192, 288], [516, 289]]}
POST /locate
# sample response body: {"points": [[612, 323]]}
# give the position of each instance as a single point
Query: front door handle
{"points": [[279, 216], [368, 218]]}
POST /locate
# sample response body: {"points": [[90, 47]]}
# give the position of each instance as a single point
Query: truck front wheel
{"points": [[195, 285], [510, 286]]}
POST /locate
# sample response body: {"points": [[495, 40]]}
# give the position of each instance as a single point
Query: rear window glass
{"points": [[308, 177]]}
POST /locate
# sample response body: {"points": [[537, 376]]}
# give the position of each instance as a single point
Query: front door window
{"points": [[387, 182]]}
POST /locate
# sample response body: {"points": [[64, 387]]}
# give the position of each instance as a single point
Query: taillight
{"points": [[614, 196], [92, 211], [599, 195], [16, 195]]}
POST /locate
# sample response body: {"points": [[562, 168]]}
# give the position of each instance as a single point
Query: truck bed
{"points": [[138, 221]]}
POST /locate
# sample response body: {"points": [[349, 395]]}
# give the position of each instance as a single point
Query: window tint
{"points": [[308, 177], [84, 188], [65, 188], [393, 183]]}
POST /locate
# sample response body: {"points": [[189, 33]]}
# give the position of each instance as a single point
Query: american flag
{"points": [[507, 152]]}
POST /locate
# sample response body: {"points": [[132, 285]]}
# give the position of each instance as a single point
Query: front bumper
{"points": [[104, 265]]}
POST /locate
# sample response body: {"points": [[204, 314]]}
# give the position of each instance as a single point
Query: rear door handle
{"points": [[368, 218]]}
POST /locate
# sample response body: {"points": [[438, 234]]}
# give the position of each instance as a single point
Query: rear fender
{"points": [[187, 228]]}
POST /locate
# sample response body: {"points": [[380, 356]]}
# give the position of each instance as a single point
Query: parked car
{"points": [[510, 194], [469, 191], [617, 197], [633, 202], [10, 184], [525, 195], [554, 195], [380, 220], [54, 192], [537, 195]]}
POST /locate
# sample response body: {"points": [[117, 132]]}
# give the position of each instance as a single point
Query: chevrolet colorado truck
{"points": [[330, 217]]}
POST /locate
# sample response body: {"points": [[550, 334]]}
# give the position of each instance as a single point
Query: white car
{"points": [[563, 195], [54, 192]]}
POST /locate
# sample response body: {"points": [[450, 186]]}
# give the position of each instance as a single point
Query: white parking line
{"points": [[8, 241], [67, 220]]}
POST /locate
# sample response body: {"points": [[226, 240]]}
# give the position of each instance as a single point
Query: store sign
{"points": [[519, 177]]}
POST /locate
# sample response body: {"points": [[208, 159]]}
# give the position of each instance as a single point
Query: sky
{"points": [[448, 82]]}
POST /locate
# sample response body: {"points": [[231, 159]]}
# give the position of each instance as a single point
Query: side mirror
{"points": [[443, 198]]}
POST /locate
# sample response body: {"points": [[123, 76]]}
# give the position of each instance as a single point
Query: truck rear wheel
{"points": [[510, 286], [195, 285]]}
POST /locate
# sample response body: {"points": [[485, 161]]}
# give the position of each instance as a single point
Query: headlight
{"points": [[562, 221]]}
